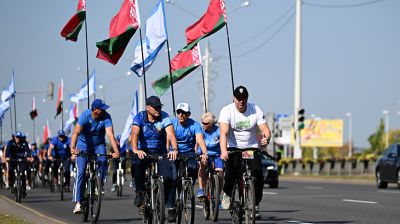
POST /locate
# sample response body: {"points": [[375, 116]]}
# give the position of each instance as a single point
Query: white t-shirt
{"points": [[242, 126]]}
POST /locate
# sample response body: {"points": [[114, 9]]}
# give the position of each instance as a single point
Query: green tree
{"points": [[376, 140]]}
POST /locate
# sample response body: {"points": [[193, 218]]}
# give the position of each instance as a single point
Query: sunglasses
{"points": [[180, 112], [205, 123]]}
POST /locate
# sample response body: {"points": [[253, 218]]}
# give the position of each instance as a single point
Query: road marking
{"points": [[313, 188], [199, 206], [294, 221], [33, 211], [269, 192], [359, 201]]}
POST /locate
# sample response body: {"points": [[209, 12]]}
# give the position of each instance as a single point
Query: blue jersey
{"points": [[17, 151], [212, 141], [93, 131], [152, 135], [61, 148], [35, 153], [186, 135]]}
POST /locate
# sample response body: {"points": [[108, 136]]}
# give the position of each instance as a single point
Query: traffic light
{"points": [[300, 118], [50, 90]]}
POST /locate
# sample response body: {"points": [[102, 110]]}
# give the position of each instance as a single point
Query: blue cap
{"points": [[61, 133], [118, 138], [19, 134], [99, 104], [33, 143]]}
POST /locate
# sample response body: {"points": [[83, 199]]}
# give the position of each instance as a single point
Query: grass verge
{"points": [[9, 219]]}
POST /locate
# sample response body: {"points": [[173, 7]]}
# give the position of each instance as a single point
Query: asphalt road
{"points": [[295, 201]]}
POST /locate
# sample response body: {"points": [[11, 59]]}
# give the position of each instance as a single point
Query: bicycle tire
{"points": [[188, 204], [85, 201], [33, 178], [147, 216], [61, 179], [51, 183], [207, 200], [178, 205], [18, 192], [236, 205], [95, 202], [119, 191], [214, 197], [249, 202], [159, 210]]}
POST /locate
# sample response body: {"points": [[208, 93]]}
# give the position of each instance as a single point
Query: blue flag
{"points": [[9, 93], [156, 36], [4, 106], [128, 125], [82, 94]]}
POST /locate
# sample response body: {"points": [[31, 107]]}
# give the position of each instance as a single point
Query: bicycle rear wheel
{"points": [[249, 202], [159, 200], [18, 192], [236, 205], [188, 204], [85, 199], [95, 201], [214, 198]]}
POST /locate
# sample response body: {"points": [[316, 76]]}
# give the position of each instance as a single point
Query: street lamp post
{"points": [[350, 135], [386, 113]]}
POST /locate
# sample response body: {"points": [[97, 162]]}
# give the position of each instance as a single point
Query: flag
{"points": [[46, 131], [181, 65], [9, 93], [74, 25], [128, 125], [4, 106], [83, 91], [34, 112], [212, 21], [73, 118], [60, 98], [156, 36], [122, 28]]}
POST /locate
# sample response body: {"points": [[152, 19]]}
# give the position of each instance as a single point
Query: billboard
{"points": [[322, 133]]}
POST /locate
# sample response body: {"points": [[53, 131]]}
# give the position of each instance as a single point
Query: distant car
{"points": [[388, 167], [270, 171]]}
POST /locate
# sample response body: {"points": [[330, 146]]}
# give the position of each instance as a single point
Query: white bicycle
{"points": [[120, 177]]}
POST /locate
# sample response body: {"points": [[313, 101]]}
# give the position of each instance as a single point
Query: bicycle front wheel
{"points": [[61, 179], [85, 199], [214, 197], [236, 205], [95, 200], [51, 178], [18, 192], [188, 204], [159, 203], [119, 182], [249, 202]]}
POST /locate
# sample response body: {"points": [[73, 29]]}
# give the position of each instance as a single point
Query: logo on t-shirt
{"points": [[243, 124]]}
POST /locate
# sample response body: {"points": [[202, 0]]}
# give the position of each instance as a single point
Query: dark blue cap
{"points": [[61, 133], [99, 104], [19, 134]]}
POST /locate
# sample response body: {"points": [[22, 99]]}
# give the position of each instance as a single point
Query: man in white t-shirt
{"points": [[238, 126]]}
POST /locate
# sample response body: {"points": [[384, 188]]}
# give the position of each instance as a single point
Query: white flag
{"points": [[128, 125], [156, 36], [9, 93], [82, 95]]}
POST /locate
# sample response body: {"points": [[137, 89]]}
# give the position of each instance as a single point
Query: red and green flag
{"points": [[181, 65], [212, 21], [122, 28], [60, 98], [74, 25]]}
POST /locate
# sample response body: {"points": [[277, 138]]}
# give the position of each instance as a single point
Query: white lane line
{"points": [[313, 188], [199, 206], [269, 192], [294, 221], [359, 201]]}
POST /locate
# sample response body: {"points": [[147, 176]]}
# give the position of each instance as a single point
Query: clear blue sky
{"points": [[350, 58]]}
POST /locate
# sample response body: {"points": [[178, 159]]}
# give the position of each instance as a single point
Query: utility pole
{"points": [[207, 72], [297, 82]]}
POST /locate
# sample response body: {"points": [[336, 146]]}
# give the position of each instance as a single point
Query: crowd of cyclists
{"points": [[153, 132]]}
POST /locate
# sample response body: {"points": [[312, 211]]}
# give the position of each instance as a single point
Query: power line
{"points": [[343, 6]]}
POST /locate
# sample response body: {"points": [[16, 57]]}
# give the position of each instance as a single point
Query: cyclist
{"points": [[89, 136], [45, 160], [238, 126], [115, 162], [4, 165], [17, 149], [211, 135], [150, 130], [188, 133], [34, 163], [59, 150]]}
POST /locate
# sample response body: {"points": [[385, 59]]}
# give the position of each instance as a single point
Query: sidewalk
{"points": [[368, 180], [10, 207]]}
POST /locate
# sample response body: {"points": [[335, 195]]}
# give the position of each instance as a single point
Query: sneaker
{"points": [[131, 184], [257, 212], [226, 201], [200, 193], [171, 215], [28, 187], [139, 199], [113, 188], [77, 209]]}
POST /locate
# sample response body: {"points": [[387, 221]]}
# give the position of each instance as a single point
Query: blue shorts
{"points": [[218, 162]]}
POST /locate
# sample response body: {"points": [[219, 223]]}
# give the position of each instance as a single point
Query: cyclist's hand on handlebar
{"points": [[115, 155], [51, 158], [224, 156], [172, 154], [264, 141], [74, 151], [141, 154], [204, 158]]}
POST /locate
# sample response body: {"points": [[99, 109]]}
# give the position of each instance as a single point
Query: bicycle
{"points": [[91, 198], [120, 177], [60, 184], [243, 194], [34, 173], [19, 191], [185, 201], [212, 191], [154, 200]]}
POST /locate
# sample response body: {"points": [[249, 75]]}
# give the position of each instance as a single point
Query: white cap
{"points": [[183, 106]]}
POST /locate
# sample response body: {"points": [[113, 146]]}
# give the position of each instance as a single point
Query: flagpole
{"points": [[62, 115], [87, 64], [11, 121], [15, 112], [143, 70], [170, 79], [204, 89], [230, 56], [33, 121]]}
